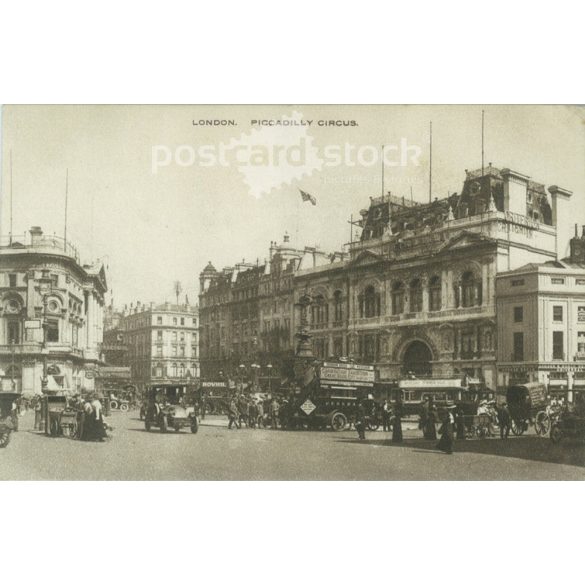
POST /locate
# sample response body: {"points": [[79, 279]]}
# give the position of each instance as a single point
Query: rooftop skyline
{"points": [[151, 229]]}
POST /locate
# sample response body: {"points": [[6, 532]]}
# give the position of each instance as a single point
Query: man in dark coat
{"points": [[397, 423], [233, 414], [446, 431], [504, 420], [386, 412], [360, 420]]}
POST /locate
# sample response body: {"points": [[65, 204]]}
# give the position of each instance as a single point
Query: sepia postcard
{"points": [[292, 292]]}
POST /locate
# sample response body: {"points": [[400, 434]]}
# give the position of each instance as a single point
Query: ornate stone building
{"points": [[247, 312], [51, 315], [162, 343], [417, 293]]}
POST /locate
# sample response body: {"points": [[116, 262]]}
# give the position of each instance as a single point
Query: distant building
{"points": [[247, 312], [114, 349], [51, 315], [162, 343], [541, 322]]}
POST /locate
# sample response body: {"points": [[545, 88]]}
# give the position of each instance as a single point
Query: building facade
{"points": [[541, 322], [162, 343], [417, 293], [51, 315], [247, 313]]}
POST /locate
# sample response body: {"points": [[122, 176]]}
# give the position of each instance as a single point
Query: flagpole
{"points": [[430, 162], [11, 197], [66, 204], [482, 135], [383, 146]]}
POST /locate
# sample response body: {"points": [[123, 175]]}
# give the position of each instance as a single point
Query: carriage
{"points": [[524, 402]]}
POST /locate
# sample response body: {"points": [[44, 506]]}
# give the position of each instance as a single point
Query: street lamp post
{"points": [[45, 289], [269, 368], [12, 350], [242, 369]]}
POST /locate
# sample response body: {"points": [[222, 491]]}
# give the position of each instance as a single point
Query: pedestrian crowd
{"points": [[255, 411]]}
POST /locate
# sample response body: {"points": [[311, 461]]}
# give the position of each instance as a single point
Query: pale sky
{"points": [[152, 229]]}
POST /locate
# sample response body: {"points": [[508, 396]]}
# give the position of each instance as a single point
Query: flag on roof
{"points": [[308, 197]]}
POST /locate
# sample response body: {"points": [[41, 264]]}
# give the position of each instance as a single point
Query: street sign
{"points": [[308, 407]]}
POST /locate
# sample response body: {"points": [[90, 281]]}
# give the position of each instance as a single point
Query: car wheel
{"points": [[194, 425], [113, 404], [338, 421], [4, 439], [124, 407]]}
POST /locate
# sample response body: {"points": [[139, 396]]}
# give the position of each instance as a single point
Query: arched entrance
{"points": [[417, 359]]}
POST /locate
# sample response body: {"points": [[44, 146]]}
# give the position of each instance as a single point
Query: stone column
{"points": [[485, 296]]}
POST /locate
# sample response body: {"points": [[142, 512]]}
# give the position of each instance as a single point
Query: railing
{"points": [[43, 242]]}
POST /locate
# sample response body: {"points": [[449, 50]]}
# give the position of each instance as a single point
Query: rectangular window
{"points": [[581, 314], [581, 342], [159, 335], [53, 331], [518, 347], [182, 320], [159, 320], [13, 332], [518, 282], [518, 314], [557, 281], [558, 345], [580, 281], [558, 314], [12, 280]]}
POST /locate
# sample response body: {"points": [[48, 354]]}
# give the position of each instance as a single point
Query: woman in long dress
{"points": [[446, 431]]}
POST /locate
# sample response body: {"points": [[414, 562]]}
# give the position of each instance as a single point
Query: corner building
{"points": [[417, 293]]}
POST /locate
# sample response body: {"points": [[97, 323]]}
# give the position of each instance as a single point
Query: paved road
{"points": [[218, 454]]}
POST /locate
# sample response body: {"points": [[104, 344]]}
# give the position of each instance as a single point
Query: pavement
{"points": [[216, 453]]}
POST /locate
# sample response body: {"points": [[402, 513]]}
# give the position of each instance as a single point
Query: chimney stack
{"points": [[36, 234]]}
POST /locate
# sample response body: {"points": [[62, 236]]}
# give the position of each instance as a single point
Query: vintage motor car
{"points": [[8, 420], [168, 408]]}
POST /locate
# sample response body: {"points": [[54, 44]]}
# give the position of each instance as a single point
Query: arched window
{"points": [[337, 307], [435, 293], [320, 312], [470, 290], [174, 370], [415, 296], [181, 370], [397, 298], [371, 302]]}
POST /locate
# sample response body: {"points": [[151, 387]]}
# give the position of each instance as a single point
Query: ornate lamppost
{"points": [[269, 368]]}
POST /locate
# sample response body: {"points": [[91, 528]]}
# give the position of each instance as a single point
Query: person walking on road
{"points": [[360, 421], [397, 422], [503, 420], [274, 408], [446, 431], [429, 430], [233, 414], [386, 413], [460, 424]]}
